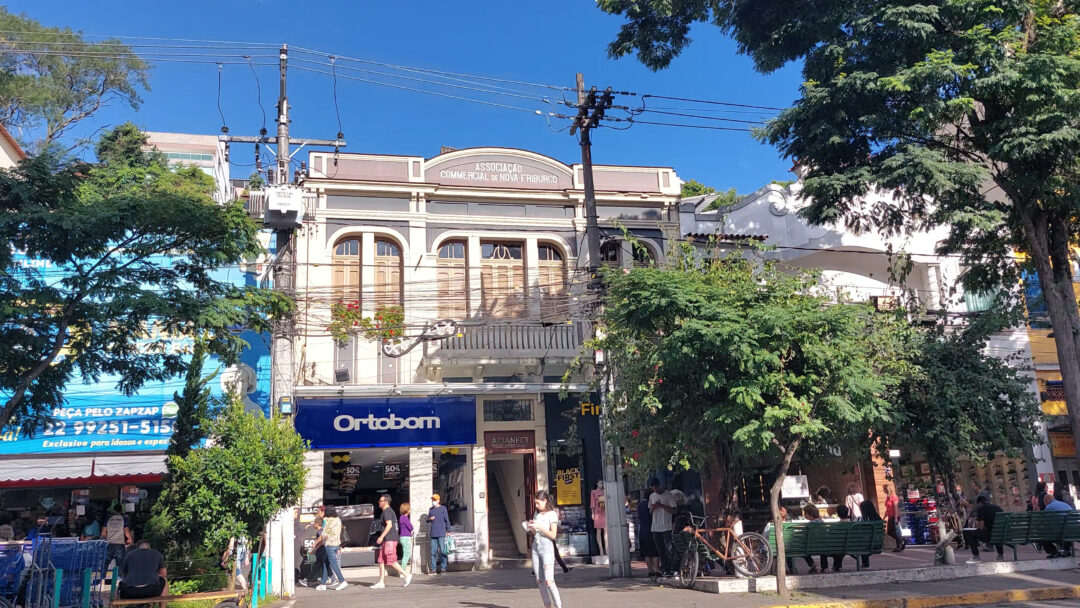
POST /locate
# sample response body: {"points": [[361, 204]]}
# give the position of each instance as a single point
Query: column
{"points": [[532, 276], [473, 258], [420, 489], [313, 484], [479, 504]]}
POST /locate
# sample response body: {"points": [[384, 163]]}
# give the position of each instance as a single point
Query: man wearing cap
{"points": [[439, 520]]}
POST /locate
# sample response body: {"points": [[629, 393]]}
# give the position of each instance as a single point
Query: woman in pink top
{"points": [[892, 518]]}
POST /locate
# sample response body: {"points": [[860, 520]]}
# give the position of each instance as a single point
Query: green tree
{"points": [[734, 355], [956, 401], [695, 188], [132, 250], [252, 468], [193, 405], [52, 78], [966, 110]]}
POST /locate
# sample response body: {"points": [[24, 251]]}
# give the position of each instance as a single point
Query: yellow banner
{"points": [[568, 486]]}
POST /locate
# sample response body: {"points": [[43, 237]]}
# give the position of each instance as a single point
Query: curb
{"points": [[962, 599]]}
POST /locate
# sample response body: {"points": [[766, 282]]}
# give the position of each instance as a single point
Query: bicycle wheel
{"points": [[752, 557], [688, 568]]}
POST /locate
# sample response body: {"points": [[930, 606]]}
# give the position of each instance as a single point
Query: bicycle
{"points": [[750, 554]]}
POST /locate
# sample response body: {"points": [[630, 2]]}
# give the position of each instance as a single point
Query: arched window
{"points": [[643, 254], [551, 280], [388, 265], [346, 270], [453, 277], [502, 279]]}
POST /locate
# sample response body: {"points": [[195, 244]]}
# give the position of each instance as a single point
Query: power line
{"points": [[708, 101], [425, 91], [434, 71]]}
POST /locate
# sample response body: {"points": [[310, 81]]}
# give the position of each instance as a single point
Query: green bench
{"points": [[841, 538], [1014, 529]]}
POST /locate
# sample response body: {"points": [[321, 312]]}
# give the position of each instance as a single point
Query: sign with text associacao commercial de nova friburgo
{"points": [[390, 422]]}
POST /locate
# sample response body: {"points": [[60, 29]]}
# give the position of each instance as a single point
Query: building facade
{"points": [[478, 256]]}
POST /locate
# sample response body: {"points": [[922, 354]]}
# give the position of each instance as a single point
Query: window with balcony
{"points": [[387, 269], [502, 279], [346, 270], [453, 279]]}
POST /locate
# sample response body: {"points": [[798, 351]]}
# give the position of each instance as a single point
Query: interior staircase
{"points": [[504, 551]]}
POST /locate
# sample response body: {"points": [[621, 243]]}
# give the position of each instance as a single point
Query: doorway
{"points": [[511, 484]]}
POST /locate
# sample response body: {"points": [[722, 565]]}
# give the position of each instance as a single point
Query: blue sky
{"points": [[543, 42]]}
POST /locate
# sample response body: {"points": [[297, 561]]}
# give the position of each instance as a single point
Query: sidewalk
{"points": [[590, 586]]}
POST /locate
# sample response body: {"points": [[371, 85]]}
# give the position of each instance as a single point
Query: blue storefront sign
{"points": [[391, 422], [98, 418]]}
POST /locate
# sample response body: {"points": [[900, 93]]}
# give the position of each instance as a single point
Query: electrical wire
{"points": [[221, 68], [337, 109], [445, 74], [258, 91], [425, 91]]}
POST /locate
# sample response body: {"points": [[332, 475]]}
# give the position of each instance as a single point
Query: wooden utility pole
{"points": [[591, 107]]}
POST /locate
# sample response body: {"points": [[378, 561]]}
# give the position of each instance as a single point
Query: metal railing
{"points": [[508, 338]]}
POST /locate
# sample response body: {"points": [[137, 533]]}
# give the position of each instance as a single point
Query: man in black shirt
{"points": [[985, 512], [143, 574], [386, 553]]}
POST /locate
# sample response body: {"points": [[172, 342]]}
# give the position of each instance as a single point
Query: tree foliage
{"points": [[732, 354], [695, 188], [968, 111], [252, 468], [132, 252], [956, 401], [52, 78]]}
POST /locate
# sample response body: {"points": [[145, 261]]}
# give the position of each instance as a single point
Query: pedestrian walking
{"points": [[387, 542], [852, 501], [405, 530], [662, 507], [892, 518], [237, 552], [331, 540], [985, 512], [439, 522], [544, 528]]}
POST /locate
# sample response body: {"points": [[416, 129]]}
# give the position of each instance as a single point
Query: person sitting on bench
{"points": [[143, 574]]}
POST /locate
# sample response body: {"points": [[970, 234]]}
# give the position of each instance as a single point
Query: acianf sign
{"points": [[358, 423]]}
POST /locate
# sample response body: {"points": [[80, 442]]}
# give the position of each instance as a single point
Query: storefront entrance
{"points": [[511, 484]]}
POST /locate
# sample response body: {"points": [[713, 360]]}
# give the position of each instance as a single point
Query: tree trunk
{"points": [[17, 395], [778, 522], [1057, 287], [724, 472]]}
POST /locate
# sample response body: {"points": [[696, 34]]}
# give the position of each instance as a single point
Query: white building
{"points": [[492, 240], [857, 267]]}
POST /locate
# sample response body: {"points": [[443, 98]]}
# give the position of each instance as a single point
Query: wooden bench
{"points": [[237, 596], [1012, 529], [840, 538]]}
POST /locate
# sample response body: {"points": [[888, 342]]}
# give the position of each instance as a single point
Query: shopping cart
{"points": [[12, 566], [66, 573]]}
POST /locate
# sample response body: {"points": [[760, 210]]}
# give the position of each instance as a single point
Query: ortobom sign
{"points": [[356, 423]]}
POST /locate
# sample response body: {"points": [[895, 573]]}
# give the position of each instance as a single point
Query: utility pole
{"points": [[284, 210], [591, 107]]}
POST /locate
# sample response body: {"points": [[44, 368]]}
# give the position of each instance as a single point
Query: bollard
{"points": [[269, 576], [56, 586], [86, 581], [255, 580], [112, 584]]}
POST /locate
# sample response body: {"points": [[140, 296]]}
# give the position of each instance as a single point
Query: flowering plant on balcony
{"points": [[346, 320]]}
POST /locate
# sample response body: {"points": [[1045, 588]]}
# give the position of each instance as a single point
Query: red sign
{"points": [[510, 442]]}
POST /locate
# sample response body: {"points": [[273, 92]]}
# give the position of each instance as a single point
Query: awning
{"points": [[61, 470], [129, 464], [29, 469]]}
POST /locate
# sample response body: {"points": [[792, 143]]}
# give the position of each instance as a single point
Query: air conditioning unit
{"points": [[284, 207]]}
